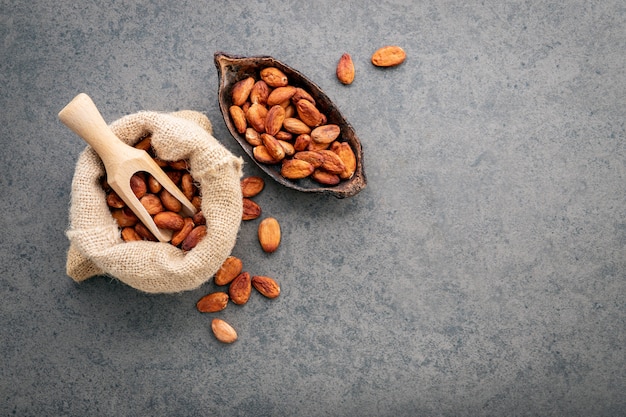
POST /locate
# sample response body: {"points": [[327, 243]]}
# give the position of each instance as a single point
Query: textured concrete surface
{"points": [[482, 272]]}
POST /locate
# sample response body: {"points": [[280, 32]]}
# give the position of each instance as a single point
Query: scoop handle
{"points": [[82, 117]]}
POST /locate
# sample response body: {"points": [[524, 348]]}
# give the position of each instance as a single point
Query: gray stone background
{"points": [[480, 273]]}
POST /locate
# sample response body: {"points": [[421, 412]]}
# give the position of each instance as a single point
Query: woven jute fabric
{"points": [[96, 246]]}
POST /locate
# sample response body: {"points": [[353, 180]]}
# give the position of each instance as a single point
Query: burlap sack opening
{"points": [[96, 246]]}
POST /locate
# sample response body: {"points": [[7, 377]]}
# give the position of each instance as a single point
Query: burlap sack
{"points": [[96, 247]]}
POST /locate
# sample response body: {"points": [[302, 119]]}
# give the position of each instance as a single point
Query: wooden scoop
{"points": [[120, 160]]}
